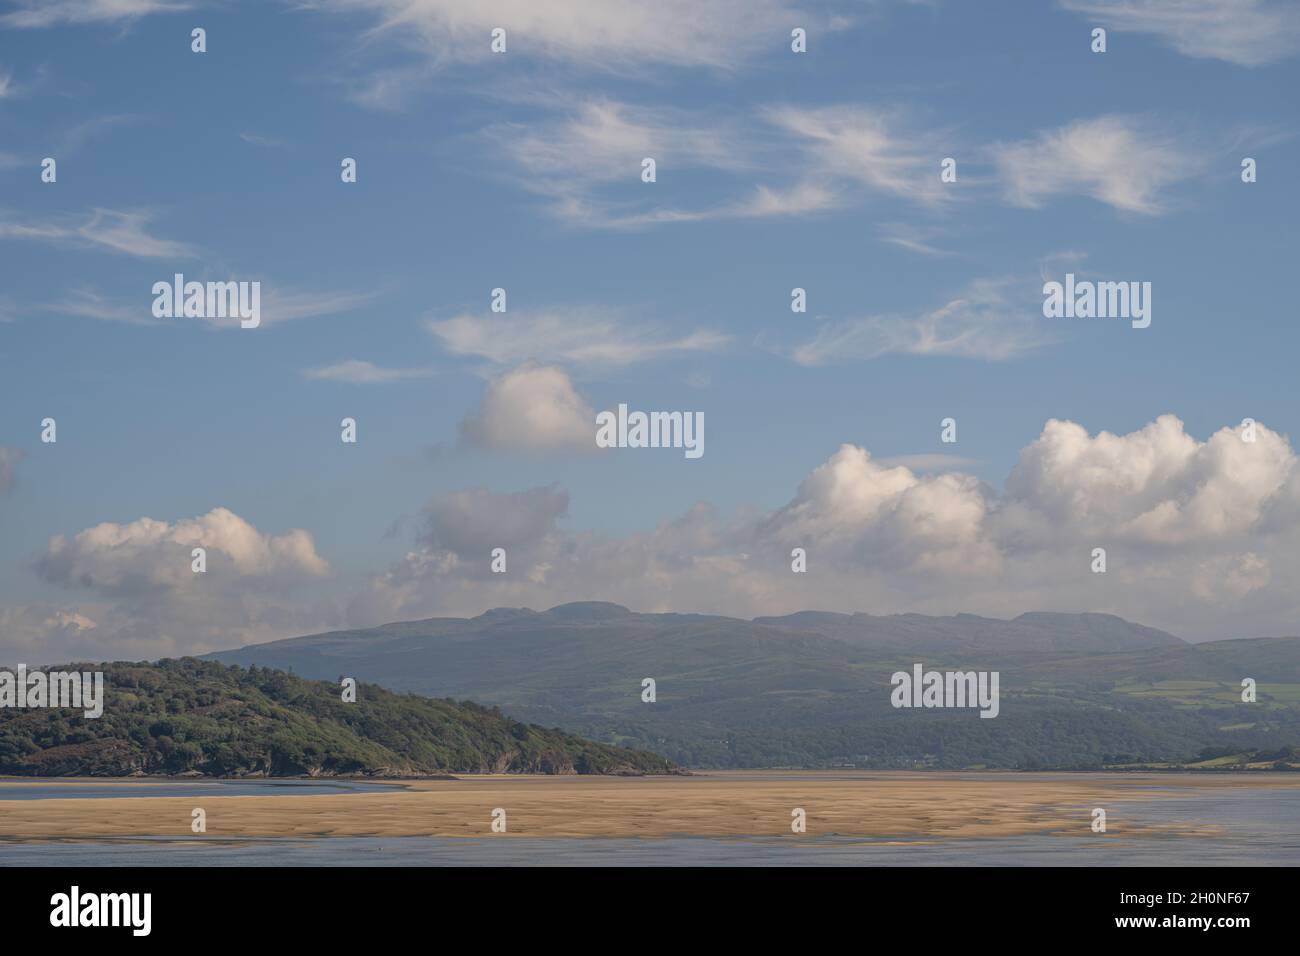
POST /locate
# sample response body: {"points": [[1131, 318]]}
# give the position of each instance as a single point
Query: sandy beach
{"points": [[904, 806]]}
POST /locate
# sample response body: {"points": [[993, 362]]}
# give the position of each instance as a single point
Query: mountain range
{"points": [[812, 689]]}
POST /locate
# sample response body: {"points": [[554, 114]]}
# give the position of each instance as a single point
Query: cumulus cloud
{"points": [[459, 524], [533, 408], [135, 593], [1157, 485], [155, 555], [9, 458], [1123, 161], [1201, 537], [871, 514], [1243, 32]]}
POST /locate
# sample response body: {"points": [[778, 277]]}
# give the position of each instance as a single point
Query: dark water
{"points": [[179, 788], [1252, 828]]}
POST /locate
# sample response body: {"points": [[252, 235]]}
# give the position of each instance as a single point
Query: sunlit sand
{"points": [[878, 806]]}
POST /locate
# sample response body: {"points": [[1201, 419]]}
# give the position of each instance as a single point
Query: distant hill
{"points": [[191, 716], [812, 689], [1069, 633]]}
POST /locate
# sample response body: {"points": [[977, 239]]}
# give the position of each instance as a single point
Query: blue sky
{"points": [[521, 170]]}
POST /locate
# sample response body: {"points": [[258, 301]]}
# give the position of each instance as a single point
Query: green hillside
{"points": [[812, 690], [190, 716]]}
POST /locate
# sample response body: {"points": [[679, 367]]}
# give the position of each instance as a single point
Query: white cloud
{"points": [[278, 304], [799, 199], [928, 462], [912, 238], [125, 232], [991, 319], [868, 513], [587, 162], [533, 408], [577, 336], [359, 372], [1157, 485], [863, 146], [1203, 539], [617, 35], [1123, 161], [149, 555], [604, 141], [284, 304], [137, 595], [116, 230], [48, 13], [1242, 32]]}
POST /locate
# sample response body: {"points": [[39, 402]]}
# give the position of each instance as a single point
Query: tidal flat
{"points": [[910, 808]]}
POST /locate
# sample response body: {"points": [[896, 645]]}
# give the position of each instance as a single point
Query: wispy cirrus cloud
{"points": [[1243, 32], [87, 303], [992, 319], [610, 35], [278, 304], [913, 238], [1123, 161], [360, 372], [867, 147], [36, 14], [285, 304], [586, 160], [121, 231], [127, 232], [256, 139], [784, 161], [577, 336]]}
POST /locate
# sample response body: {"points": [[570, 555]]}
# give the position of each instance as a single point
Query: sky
{"points": [[523, 170]]}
